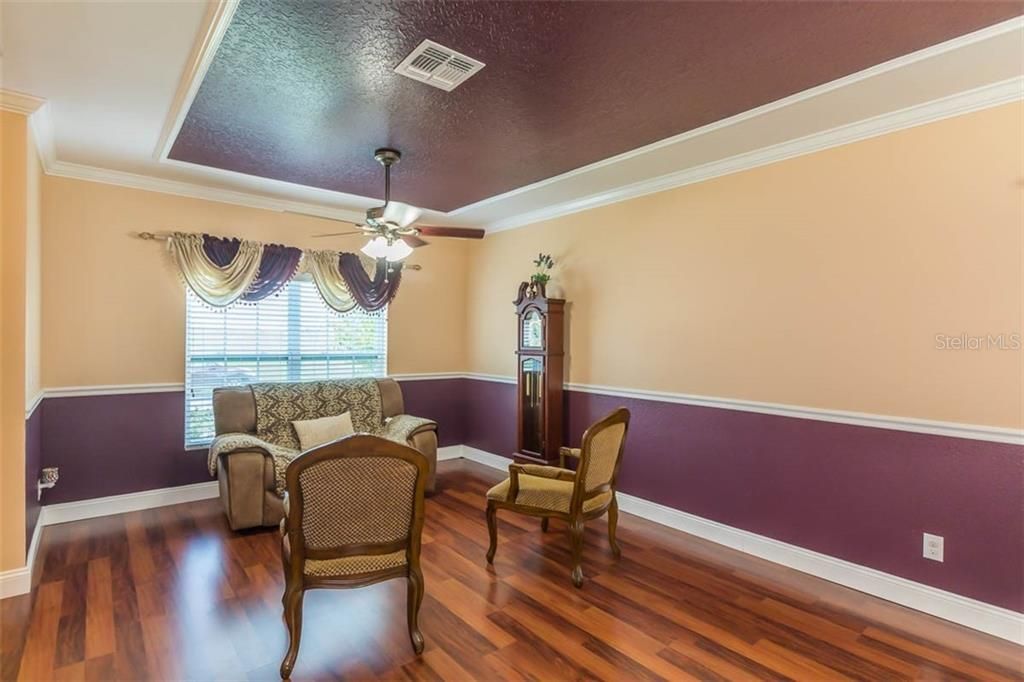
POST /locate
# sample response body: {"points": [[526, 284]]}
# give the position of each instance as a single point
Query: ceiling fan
{"points": [[391, 226]]}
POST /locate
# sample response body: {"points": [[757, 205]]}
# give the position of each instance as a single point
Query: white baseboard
{"points": [[118, 504], [971, 613], [19, 580], [449, 452]]}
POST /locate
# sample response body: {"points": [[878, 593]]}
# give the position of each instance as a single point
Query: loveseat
{"points": [[255, 439]]}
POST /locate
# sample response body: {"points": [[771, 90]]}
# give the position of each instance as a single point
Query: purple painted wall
{"points": [[442, 400], [861, 494], [33, 463], [116, 444]]}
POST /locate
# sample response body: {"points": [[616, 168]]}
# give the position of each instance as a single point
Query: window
{"points": [[292, 336]]}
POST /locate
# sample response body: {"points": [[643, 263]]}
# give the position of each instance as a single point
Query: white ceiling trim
{"points": [[976, 66], [984, 97], [984, 34], [19, 102], [215, 25], [149, 183], [38, 112]]}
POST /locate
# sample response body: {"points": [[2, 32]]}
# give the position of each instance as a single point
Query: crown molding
{"points": [[323, 203], [215, 25], [994, 31], [983, 97], [20, 102], [150, 183]]}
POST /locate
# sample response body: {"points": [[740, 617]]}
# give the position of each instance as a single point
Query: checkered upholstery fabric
{"points": [[546, 471], [349, 565], [545, 493], [357, 500], [602, 453]]}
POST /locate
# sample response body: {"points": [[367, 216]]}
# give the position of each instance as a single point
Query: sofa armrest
{"points": [[229, 443], [246, 481], [419, 434], [403, 427]]}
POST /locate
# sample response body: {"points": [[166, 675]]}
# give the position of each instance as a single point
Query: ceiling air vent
{"points": [[438, 65]]}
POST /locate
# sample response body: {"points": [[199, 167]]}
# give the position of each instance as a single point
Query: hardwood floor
{"points": [[172, 593]]}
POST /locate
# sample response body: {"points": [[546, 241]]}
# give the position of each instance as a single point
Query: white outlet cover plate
{"points": [[933, 547]]}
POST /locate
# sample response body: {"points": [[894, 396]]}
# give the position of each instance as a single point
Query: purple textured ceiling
{"points": [[305, 91]]}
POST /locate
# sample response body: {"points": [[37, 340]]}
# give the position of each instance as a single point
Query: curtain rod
{"points": [[153, 236]]}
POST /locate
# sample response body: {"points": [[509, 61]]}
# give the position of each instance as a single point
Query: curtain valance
{"points": [[222, 272]]}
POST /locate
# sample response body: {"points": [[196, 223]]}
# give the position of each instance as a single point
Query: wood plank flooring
{"points": [[172, 593]]}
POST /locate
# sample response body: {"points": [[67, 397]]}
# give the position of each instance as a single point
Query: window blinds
{"points": [[292, 336]]}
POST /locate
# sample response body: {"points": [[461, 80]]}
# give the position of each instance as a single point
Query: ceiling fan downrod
{"points": [[387, 157]]}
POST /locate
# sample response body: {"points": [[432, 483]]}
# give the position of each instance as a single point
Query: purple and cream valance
{"points": [[223, 272]]}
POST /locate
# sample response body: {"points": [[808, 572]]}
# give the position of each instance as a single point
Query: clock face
{"points": [[533, 330]]}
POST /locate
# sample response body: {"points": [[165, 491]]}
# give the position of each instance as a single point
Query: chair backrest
{"points": [[358, 495], [601, 452]]}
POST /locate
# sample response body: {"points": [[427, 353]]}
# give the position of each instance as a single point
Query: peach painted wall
{"points": [[820, 281], [19, 315], [113, 306]]}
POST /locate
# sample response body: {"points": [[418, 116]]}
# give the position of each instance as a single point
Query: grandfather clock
{"points": [[539, 358]]}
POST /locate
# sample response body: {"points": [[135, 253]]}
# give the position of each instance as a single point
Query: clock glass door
{"points": [[532, 381]]}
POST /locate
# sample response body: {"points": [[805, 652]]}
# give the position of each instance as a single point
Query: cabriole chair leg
{"points": [[415, 599], [293, 619], [492, 530], [613, 524], [576, 535]]}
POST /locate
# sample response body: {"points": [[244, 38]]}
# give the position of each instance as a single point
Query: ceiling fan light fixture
{"points": [[393, 252]]}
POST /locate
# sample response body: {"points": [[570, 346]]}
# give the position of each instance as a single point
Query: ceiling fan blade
{"points": [[400, 214], [321, 217], [338, 234], [459, 232], [414, 241]]}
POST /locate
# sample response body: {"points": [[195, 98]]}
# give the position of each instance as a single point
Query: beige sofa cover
{"points": [[246, 476]]}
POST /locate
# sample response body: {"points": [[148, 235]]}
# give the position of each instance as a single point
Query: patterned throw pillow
{"points": [[314, 432]]}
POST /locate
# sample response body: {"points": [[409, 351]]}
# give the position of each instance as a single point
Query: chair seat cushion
{"points": [[348, 565], [548, 494], [352, 565]]}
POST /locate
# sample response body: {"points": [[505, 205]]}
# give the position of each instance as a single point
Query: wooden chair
{"points": [[353, 517], [573, 496]]}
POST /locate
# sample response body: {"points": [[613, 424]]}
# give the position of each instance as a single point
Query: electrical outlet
{"points": [[934, 547]]}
